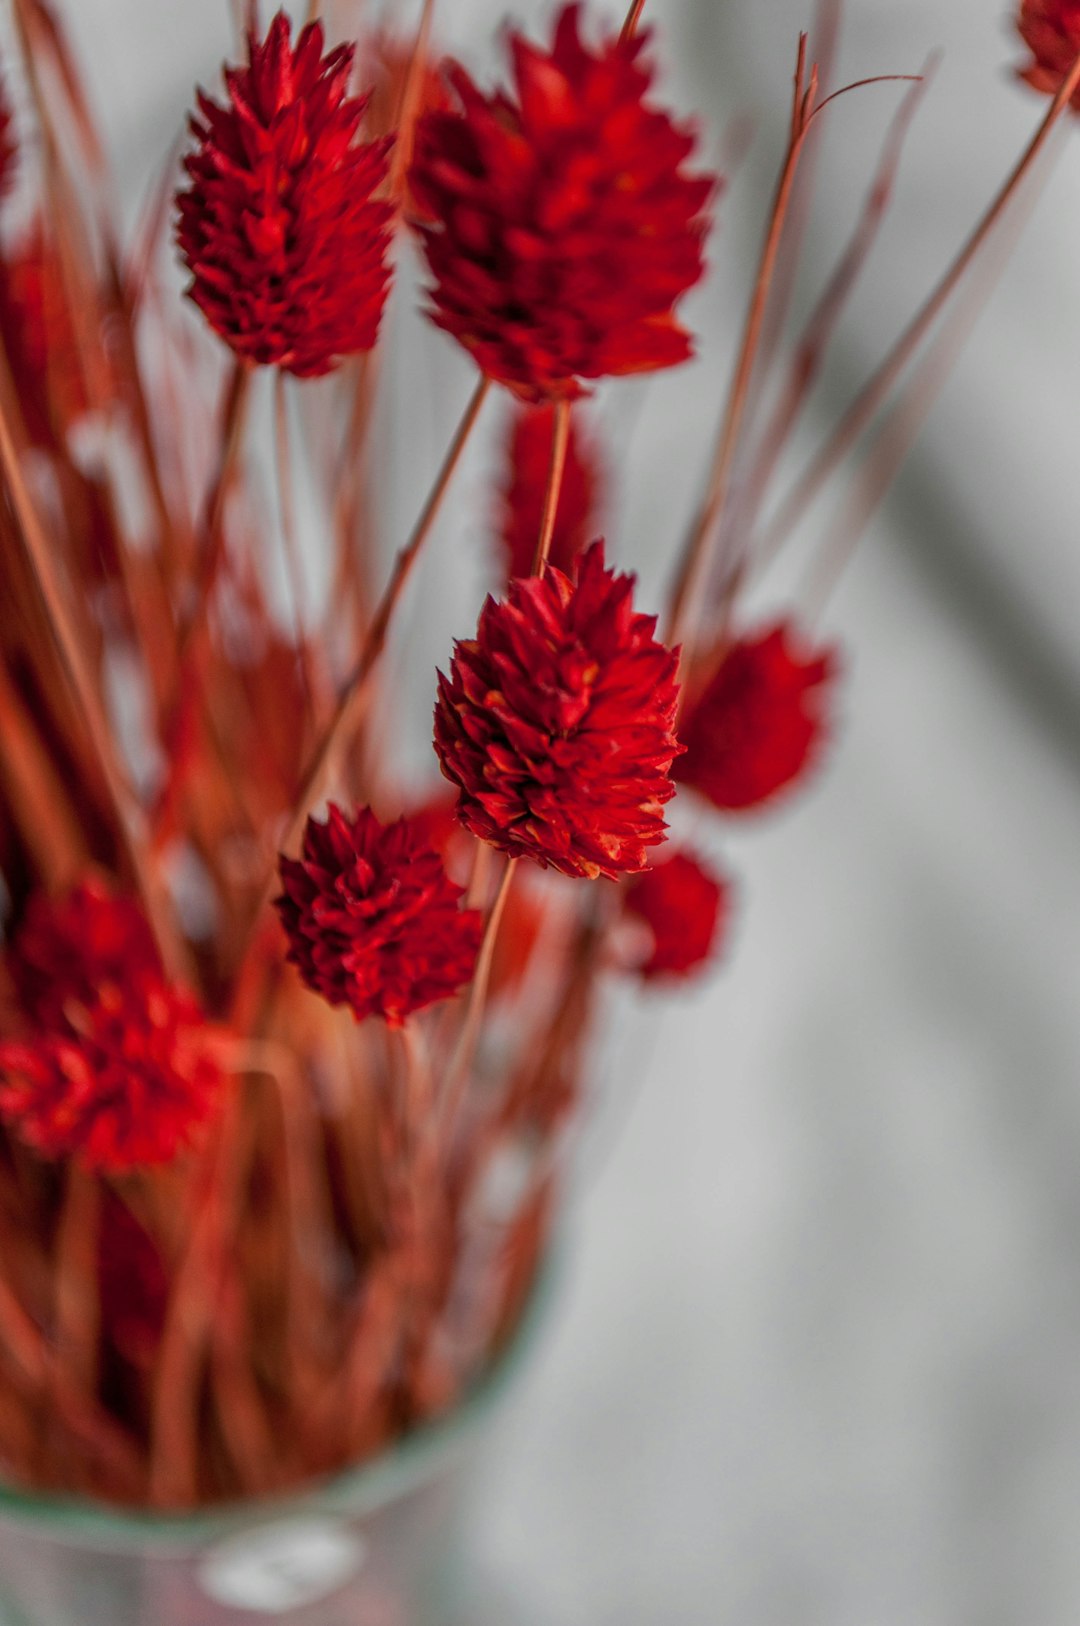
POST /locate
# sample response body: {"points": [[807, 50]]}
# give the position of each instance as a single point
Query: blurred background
{"points": [[817, 1356]]}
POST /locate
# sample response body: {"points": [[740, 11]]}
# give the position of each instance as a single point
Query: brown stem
{"points": [[824, 40], [560, 438], [189, 1319], [697, 553], [77, 1305], [41, 556], [457, 1074], [907, 416], [409, 105], [355, 687], [816, 337], [700, 546], [876, 389], [290, 541], [21, 1337], [633, 17], [233, 418]]}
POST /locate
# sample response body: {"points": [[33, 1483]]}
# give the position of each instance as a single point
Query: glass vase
{"points": [[378, 1546]]}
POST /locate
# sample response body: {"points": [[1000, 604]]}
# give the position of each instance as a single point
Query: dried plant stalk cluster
{"points": [[288, 1067]]}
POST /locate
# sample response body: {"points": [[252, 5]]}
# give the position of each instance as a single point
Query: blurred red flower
{"points": [[372, 918], [561, 223], [110, 1065], [761, 721], [1051, 28], [557, 723], [280, 226], [685, 907]]}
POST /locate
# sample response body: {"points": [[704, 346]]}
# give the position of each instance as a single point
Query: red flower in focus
{"points": [[760, 722], [113, 1066], [557, 723], [280, 227], [685, 908], [373, 919], [531, 434], [1051, 28], [563, 223]]}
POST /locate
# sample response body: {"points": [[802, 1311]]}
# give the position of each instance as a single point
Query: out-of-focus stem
{"points": [[874, 392], [697, 553], [457, 1074], [41, 556], [355, 686], [559, 440]]}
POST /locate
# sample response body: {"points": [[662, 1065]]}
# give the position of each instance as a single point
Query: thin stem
{"points": [[696, 557], [355, 686], [409, 105], [876, 389], [233, 419], [906, 417], [21, 1337], [560, 439], [633, 17], [457, 1075], [290, 541], [77, 1306], [815, 339], [183, 1347], [824, 39], [41, 556]]}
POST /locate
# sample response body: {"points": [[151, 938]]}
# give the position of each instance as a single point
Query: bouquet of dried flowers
{"points": [[289, 1063]]}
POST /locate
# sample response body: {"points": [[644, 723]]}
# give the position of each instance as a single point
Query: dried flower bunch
{"points": [[269, 1025]]}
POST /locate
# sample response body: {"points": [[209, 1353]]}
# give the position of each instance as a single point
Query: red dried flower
{"points": [[1051, 28], [557, 723], [684, 905], [529, 458], [563, 223], [760, 722], [280, 228], [373, 919], [69, 948], [114, 1066]]}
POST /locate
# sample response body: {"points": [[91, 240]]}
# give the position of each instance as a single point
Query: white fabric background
{"points": [[817, 1357]]}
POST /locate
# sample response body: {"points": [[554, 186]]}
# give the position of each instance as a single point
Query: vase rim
{"points": [[358, 1490]]}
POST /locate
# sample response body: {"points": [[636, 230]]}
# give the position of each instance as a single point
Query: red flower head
{"points": [[115, 1067], [68, 949], [280, 228], [1051, 28], [760, 722], [531, 434], [685, 909], [563, 223], [557, 723], [373, 919]]}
